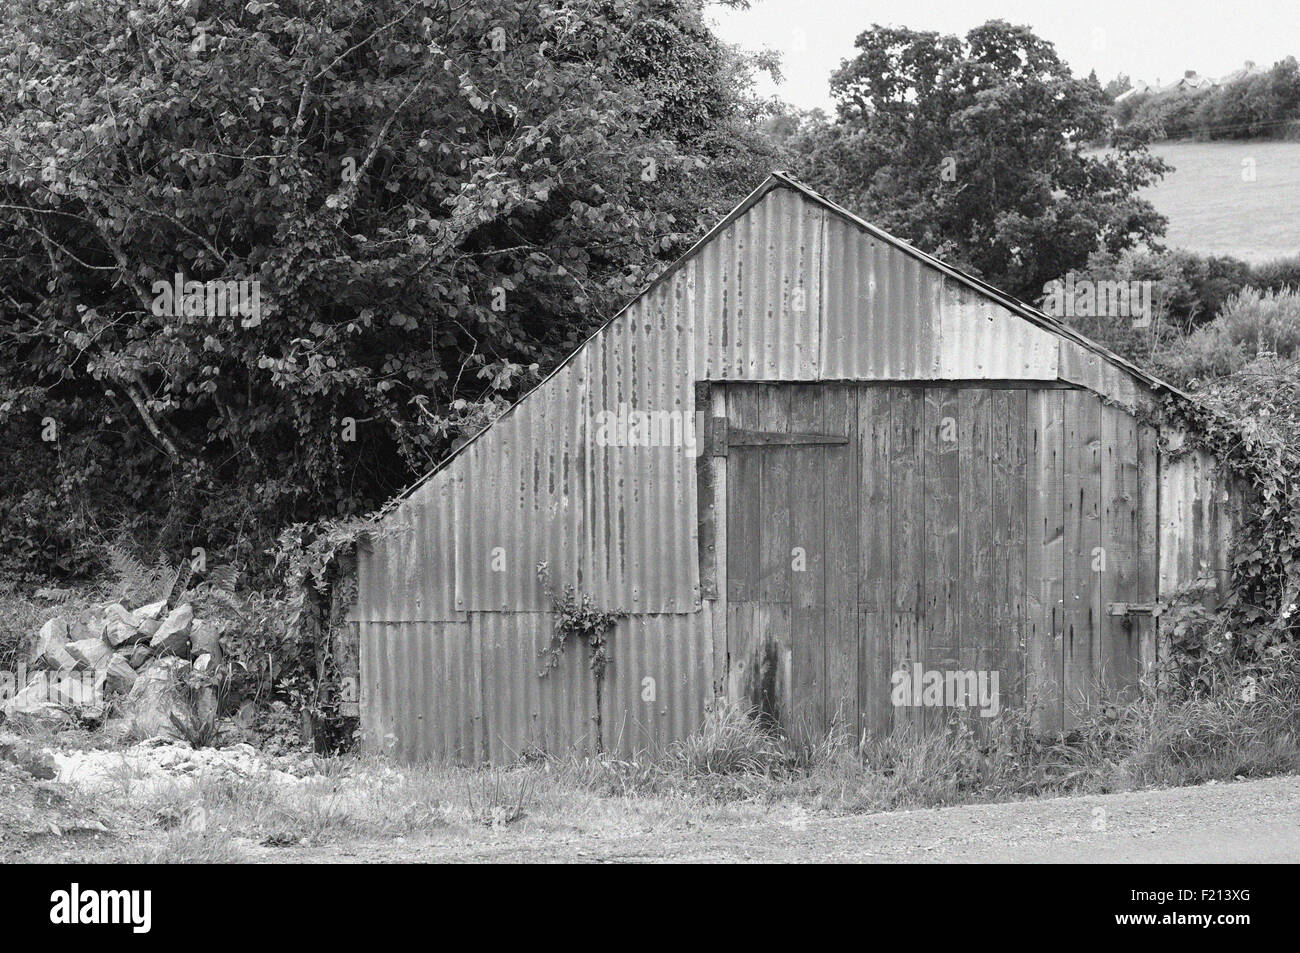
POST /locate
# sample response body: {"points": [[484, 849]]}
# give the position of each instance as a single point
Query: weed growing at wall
{"points": [[577, 615], [1250, 423]]}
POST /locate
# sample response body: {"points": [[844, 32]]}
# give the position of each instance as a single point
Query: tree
{"points": [[1122, 83], [426, 203], [976, 149]]}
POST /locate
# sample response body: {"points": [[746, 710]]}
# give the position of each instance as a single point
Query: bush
{"points": [[1264, 105], [1283, 274], [1187, 291], [1251, 323]]}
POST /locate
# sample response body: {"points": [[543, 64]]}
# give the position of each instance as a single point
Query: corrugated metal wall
{"points": [[890, 317], [473, 691], [755, 293], [787, 289]]}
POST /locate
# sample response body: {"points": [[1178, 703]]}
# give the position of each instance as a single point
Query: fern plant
{"points": [[133, 582]]}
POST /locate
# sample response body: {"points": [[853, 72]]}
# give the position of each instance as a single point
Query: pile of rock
{"points": [[159, 764], [143, 665]]}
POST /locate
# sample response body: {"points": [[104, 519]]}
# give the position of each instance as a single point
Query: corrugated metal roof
{"points": [[777, 180], [1029, 313]]}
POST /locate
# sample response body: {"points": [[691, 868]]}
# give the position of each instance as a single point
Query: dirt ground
{"points": [[1240, 822]]}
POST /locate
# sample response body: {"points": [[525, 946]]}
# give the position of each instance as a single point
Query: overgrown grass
{"points": [[1233, 729], [733, 769]]}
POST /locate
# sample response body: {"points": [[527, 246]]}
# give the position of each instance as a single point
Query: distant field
{"points": [[1212, 209]]}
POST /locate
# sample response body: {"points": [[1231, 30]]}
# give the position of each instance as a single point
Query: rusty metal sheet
{"points": [[523, 500], [756, 293], [473, 691], [658, 683], [409, 572], [421, 691], [642, 444], [887, 316]]}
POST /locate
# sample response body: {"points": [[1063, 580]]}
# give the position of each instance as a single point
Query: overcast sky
{"points": [[1144, 38]]}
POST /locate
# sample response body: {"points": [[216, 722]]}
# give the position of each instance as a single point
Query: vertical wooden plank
{"points": [[743, 500], [759, 673], [941, 536], [876, 548], [774, 583], [1044, 556], [774, 511], [1203, 527], [718, 463], [706, 506], [1120, 648], [840, 416], [978, 647], [907, 524], [1148, 572], [744, 646], [805, 553], [1083, 553], [1013, 675], [1227, 502], [1007, 424]]}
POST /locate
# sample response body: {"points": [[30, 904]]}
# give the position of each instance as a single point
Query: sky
{"points": [[1147, 39]]}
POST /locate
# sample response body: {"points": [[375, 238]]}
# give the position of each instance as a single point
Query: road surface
{"points": [[1241, 822]]}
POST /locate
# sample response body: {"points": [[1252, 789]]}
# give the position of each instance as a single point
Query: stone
{"points": [[157, 694], [122, 628], [51, 651], [153, 612], [79, 629], [140, 656], [173, 636], [54, 692], [205, 639], [118, 676], [90, 653], [37, 762]]}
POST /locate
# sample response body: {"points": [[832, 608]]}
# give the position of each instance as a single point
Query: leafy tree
{"points": [[436, 199], [1121, 84], [975, 149], [1259, 105]]}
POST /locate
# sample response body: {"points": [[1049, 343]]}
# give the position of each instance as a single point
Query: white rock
{"points": [[51, 650], [173, 636]]}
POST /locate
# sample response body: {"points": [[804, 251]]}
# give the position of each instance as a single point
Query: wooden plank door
{"points": [[792, 554], [936, 529]]}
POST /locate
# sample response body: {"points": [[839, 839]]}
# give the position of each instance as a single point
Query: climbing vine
{"points": [[319, 564], [1250, 425], [576, 616]]}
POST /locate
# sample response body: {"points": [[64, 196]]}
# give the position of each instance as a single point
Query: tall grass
{"points": [[1232, 729], [736, 767]]}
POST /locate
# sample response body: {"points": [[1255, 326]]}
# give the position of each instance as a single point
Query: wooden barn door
{"points": [[876, 528], [792, 553]]}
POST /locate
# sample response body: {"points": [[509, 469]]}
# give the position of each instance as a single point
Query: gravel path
{"points": [[1247, 821]]}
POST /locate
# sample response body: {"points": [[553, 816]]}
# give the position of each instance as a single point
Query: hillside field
{"points": [[1214, 209]]}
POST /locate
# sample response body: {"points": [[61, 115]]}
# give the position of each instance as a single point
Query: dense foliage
{"points": [[1262, 105], [1188, 292], [974, 149], [437, 200]]}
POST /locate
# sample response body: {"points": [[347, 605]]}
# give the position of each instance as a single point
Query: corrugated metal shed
{"points": [[787, 288]]}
